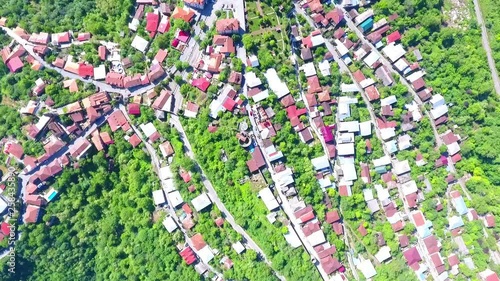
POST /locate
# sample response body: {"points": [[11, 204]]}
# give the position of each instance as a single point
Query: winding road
{"points": [[486, 47]]}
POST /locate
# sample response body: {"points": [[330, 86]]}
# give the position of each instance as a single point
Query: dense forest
{"points": [[491, 10], [101, 228]]}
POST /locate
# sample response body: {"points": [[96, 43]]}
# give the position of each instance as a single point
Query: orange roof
{"points": [[184, 14]]}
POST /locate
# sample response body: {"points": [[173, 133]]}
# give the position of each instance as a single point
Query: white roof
{"points": [[349, 172], [252, 80], [366, 267], [3, 205], [175, 199], [371, 59], [363, 16], [387, 133], [254, 61], [383, 254], [261, 96], [401, 167], [401, 65], [368, 194], [317, 40], [347, 100], [316, 238], [42, 122], [344, 111], [349, 88], [382, 161], [365, 128], [388, 100], [309, 69], [437, 100], [275, 83], [383, 194], [159, 197], [344, 149], [134, 24], [409, 187], [324, 68], [169, 224], [453, 148], [373, 206], [404, 142], [320, 163], [269, 200], [393, 51], [345, 137], [415, 75], [366, 83], [341, 48], [140, 43], [206, 254], [439, 111], [100, 72], [351, 126], [148, 129], [201, 202], [238, 247], [360, 53], [166, 173], [325, 182], [292, 238], [168, 185]]}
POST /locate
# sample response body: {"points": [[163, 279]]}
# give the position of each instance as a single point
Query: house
{"points": [[160, 56], [79, 148], [41, 38], [15, 64], [227, 26], [393, 37], [85, 70], [201, 202], [166, 149], [183, 13], [306, 54], [201, 83], [31, 214], [140, 44], [191, 110], [335, 17], [14, 149], [162, 102], [488, 275], [84, 36], [223, 44], [257, 161], [196, 4], [134, 140], [489, 221], [152, 21], [412, 257], [214, 63], [102, 51]]}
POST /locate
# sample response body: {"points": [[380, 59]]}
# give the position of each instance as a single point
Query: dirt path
{"points": [[259, 8], [486, 47]]}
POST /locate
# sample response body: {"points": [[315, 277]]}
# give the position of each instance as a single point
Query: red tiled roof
{"points": [[229, 104], [134, 109], [83, 36], [362, 230], [198, 241], [201, 83], [335, 16], [15, 64], [489, 220], [257, 161], [152, 20], [332, 216], [372, 93], [116, 120], [31, 214], [453, 260], [186, 177], [161, 55], [313, 85], [227, 26], [188, 255], [14, 149], [85, 70], [338, 228], [102, 52], [404, 241], [134, 140], [412, 256], [393, 37]]}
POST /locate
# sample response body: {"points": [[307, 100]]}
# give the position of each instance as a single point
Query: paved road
{"points": [[156, 165], [486, 47], [285, 205], [174, 120]]}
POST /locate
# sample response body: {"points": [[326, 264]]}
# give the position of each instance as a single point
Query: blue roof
{"points": [[424, 231], [459, 204], [367, 24], [455, 222]]}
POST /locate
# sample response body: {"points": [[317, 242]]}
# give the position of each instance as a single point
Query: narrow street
{"points": [[285, 205], [486, 46], [174, 120]]}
